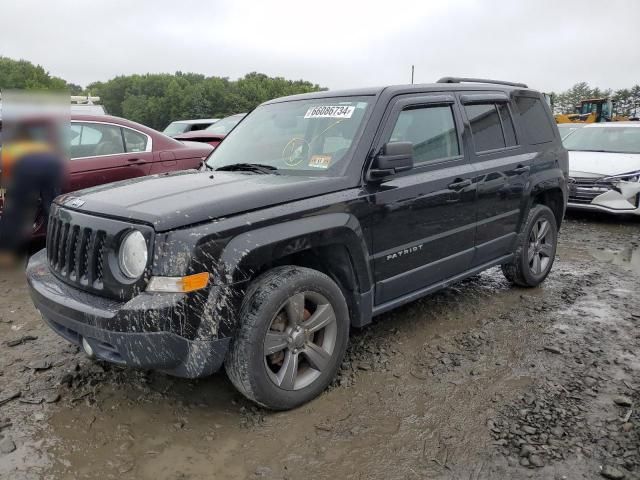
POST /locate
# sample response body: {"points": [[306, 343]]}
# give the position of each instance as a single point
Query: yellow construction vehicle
{"points": [[591, 110]]}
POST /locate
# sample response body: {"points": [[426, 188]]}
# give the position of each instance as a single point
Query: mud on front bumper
{"points": [[77, 315]]}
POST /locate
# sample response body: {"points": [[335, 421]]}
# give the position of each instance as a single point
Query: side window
{"points": [[507, 125], [76, 132], [95, 139], [432, 131], [134, 141], [485, 127], [535, 119]]}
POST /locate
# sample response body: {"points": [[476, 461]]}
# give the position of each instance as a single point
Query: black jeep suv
{"points": [[318, 212]]}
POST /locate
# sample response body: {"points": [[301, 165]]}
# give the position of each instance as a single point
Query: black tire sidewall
{"points": [[538, 212], [264, 308]]}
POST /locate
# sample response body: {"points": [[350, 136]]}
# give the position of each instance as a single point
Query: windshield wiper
{"points": [[248, 167]]}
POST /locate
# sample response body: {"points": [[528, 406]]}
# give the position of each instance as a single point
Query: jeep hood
{"points": [[596, 164], [180, 199]]}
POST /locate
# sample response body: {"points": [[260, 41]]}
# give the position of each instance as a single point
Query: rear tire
{"points": [[292, 337], [535, 250]]}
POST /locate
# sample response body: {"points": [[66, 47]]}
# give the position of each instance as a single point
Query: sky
{"points": [[550, 45]]}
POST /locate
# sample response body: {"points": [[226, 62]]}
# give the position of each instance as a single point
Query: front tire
{"points": [[292, 337], [535, 250]]}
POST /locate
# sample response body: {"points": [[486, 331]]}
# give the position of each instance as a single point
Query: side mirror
{"points": [[393, 158]]}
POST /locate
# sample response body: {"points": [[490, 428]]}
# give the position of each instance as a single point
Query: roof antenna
{"points": [[412, 69]]}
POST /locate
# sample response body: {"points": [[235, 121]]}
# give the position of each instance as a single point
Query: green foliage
{"points": [[626, 101], [158, 99], [21, 74]]}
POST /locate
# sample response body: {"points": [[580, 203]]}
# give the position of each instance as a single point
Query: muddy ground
{"points": [[480, 381]]}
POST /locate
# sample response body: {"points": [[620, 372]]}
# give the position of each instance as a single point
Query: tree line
{"points": [[626, 100], [156, 99], [160, 98]]}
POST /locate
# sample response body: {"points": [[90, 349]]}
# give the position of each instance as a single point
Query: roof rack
{"points": [[479, 80]]}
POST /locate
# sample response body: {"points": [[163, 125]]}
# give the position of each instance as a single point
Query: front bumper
{"points": [[76, 315], [594, 207], [616, 197]]}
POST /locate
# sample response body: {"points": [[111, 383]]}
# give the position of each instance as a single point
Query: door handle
{"points": [[521, 169], [459, 184], [136, 160]]}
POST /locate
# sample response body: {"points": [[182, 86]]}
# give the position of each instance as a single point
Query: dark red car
{"points": [[105, 149], [213, 134]]}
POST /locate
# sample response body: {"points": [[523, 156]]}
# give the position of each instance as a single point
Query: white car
{"points": [[182, 126], [604, 167], [567, 129]]}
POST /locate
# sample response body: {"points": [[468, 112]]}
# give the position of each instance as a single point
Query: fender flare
{"points": [[247, 252], [541, 181]]}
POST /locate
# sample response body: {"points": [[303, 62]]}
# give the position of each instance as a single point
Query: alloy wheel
{"points": [[540, 246], [300, 341]]}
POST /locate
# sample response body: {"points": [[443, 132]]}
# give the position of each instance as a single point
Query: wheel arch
{"points": [[549, 188], [331, 243], [554, 199]]}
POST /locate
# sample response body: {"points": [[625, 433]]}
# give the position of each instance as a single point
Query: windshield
{"points": [[224, 126], [176, 128], [305, 135], [604, 139], [566, 129]]}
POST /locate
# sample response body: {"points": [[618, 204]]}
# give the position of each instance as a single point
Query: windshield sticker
{"points": [[320, 161], [330, 111]]}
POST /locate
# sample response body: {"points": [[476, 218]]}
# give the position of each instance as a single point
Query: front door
{"points": [[423, 225]]}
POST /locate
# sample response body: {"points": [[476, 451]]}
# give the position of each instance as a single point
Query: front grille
{"points": [[584, 190], [76, 253], [80, 249]]}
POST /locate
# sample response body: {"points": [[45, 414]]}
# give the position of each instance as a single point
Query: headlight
{"points": [[627, 177], [133, 254]]}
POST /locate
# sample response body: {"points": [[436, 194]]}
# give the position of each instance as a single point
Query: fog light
{"points": [[87, 348]]}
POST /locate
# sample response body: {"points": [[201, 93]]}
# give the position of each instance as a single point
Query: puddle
{"points": [[628, 257]]}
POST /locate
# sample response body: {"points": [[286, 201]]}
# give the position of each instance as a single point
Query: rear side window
{"points": [[134, 141], [507, 125], [485, 126], [534, 119], [431, 130]]}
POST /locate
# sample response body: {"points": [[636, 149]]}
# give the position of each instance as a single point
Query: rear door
{"points": [[423, 225], [502, 171], [104, 152]]}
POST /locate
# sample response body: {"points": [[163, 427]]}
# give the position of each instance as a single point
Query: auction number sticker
{"points": [[330, 111]]}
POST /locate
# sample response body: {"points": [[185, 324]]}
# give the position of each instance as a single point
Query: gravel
{"points": [[7, 445]]}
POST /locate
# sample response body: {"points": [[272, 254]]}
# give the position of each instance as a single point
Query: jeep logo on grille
{"points": [[74, 202]]}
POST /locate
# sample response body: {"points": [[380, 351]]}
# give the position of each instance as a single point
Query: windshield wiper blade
{"points": [[248, 167]]}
